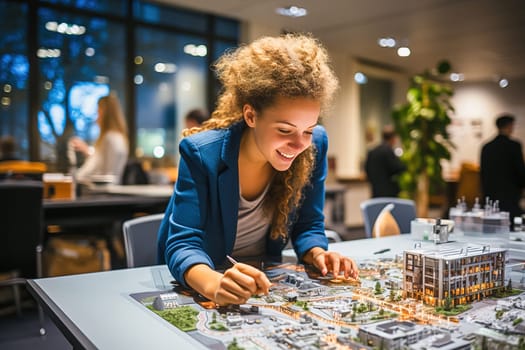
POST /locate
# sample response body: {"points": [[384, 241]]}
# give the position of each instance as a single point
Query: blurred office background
{"points": [[58, 56]]}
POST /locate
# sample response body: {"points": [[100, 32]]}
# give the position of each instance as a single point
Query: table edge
{"points": [[70, 330]]}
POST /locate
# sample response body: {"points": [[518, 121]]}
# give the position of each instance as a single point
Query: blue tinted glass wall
{"points": [[58, 57]]}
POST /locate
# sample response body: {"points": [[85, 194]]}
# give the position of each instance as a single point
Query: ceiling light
{"points": [[65, 28], [292, 11], [386, 42], [138, 79], [503, 83], [165, 67], [196, 50], [90, 52], [360, 78], [48, 53], [403, 51], [457, 77]]}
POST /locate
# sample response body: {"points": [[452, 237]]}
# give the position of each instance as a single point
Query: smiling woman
{"points": [[252, 177]]}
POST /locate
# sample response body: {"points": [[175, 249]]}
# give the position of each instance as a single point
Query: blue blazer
{"points": [[200, 224]]}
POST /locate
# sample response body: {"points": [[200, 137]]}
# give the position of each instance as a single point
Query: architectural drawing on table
{"points": [[463, 274]]}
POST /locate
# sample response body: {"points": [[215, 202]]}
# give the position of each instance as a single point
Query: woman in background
{"points": [[110, 153], [252, 177]]}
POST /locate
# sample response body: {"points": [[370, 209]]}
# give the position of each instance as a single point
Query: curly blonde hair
{"points": [[290, 66]]}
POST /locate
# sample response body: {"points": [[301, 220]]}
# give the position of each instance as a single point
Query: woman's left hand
{"points": [[327, 261]]}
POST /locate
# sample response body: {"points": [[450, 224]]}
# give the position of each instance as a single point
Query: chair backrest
{"points": [[404, 212], [385, 224], [134, 173], [21, 218], [140, 240]]}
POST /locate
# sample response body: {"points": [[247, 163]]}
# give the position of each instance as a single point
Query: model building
{"points": [[461, 273]]}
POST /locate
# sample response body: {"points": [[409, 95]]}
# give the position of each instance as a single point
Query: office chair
{"points": [[140, 240], [21, 218], [385, 224], [134, 173], [333, 236], [404, 211]]}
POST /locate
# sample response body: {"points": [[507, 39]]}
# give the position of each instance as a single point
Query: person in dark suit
{"points": [[502, 168], [382, 166]]}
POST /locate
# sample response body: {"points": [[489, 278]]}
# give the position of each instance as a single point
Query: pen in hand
{"points": [[261, 285], [232, 260]]}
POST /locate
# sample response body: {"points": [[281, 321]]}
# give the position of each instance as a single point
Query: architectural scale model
{"points": [[443, 296], [463, 274], [488, 219]]}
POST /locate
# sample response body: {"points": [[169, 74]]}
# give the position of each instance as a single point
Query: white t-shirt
{"points": [[252, 227]]}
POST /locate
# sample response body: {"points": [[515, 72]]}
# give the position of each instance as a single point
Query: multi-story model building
{"points": [[461, 274]]}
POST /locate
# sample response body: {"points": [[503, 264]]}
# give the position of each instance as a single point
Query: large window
{"points": [[171, 78], [80, 59], [58, 57], [14, 75]]}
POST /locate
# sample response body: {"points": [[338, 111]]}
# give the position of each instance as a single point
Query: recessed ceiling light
{"points": [[292, 11], [503, 83], [360, 78], [403, 51], [457, 76], [386, 42]]}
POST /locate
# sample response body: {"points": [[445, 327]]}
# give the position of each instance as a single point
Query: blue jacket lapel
{"points": [[229, 184]]}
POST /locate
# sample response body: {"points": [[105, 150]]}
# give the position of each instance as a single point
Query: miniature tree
{"points": [[378, 288], [392, 295], [447, 304], [234, 346], [509, 286]]}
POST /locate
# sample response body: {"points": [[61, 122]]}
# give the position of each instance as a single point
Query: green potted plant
{"points": [[422, 127]]}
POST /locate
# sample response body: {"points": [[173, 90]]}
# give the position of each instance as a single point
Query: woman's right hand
{"points": [[79, 145], [239, 283]]}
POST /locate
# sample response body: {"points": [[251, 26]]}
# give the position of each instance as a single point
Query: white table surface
{"points": [[135, 190], [98, 307], [96, 311]]}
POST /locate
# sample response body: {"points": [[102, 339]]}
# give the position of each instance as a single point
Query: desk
{"points": [[99, 215], [96, 310], [159, 191], [95, 209]]}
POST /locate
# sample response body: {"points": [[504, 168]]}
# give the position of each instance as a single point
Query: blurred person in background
{"points": [[502, 168], [110, 153], [195, 118], [382, 166]]}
